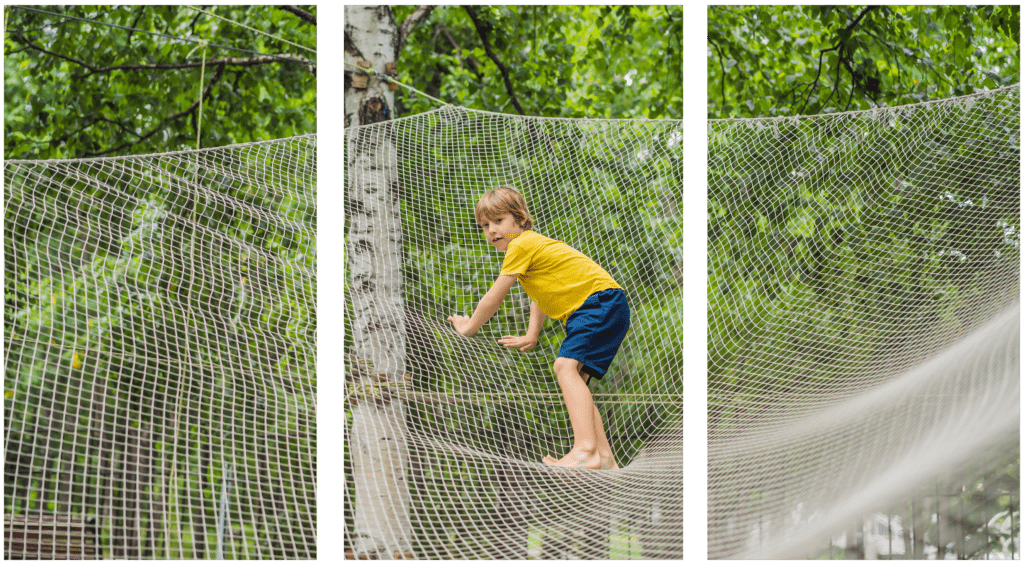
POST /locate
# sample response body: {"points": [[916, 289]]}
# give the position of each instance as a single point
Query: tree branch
{"points": [[410, 22], [677, 37], [860, 16], [793, 90], [482, 32], [192, 24], [458, 48], [191, 109], [29, 45], [300, 13], [69, 135], [119, 125], [57, 141], [838, 45], [838, 68], [472, 63], [721, 61], [853, 82], [810, 91], [142, 10], [232, 61]]}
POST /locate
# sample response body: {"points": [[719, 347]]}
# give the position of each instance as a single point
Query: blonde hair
{"points": [[503, 200]]}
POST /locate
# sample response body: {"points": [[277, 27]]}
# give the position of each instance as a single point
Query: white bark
{"points": [[380, 457], [372, 31]]}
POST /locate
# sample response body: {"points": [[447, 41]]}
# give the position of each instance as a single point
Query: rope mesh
{"points": [[864, 316], [159, 378], [445, 434]]}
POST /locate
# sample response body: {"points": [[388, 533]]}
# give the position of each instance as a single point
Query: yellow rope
{"points": [[202, 77], [389, 79], [252, 29]]}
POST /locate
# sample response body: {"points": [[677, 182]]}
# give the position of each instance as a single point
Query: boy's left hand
{"points": [[461, 324], [522, 343]]}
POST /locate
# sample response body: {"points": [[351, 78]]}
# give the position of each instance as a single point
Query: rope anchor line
{"points": [[360, 78], [239, 24]]}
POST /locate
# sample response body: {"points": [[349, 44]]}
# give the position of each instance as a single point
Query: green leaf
{"points": [[824, 12]]}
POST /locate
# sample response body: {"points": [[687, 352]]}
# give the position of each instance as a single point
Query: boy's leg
{"points": [[604, 449], [580, 403]]}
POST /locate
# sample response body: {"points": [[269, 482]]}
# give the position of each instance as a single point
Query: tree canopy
{"points": [[560, 61], [82, 81], [791, 60]]}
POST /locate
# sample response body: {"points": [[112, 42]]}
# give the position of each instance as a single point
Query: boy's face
{"points": [[500, 230]]}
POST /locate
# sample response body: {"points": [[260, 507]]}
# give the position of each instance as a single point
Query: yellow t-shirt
{"points": [[555, 276]]}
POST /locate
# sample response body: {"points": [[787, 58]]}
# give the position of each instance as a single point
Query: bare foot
{"points": [[608, 463], [577, 458]]}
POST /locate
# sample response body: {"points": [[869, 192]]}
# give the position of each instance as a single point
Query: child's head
{"points": [[503, 200]]}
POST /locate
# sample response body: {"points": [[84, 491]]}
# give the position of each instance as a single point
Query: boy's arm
{"points": [[529, 341], [537, 317], [487, 307]]}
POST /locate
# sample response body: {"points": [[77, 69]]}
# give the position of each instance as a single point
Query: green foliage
{"points": [[144, 110], [792, 60], [564, 61]]}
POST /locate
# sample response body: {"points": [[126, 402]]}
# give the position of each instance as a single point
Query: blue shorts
{"points": [[594, 332]]}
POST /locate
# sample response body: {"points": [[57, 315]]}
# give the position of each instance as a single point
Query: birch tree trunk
{"points": [[377, 440]]}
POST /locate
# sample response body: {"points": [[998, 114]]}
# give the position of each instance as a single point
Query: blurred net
{"points": [[159, 383], [445, 434], [864, 327]]}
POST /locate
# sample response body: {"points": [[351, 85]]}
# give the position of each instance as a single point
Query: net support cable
{"points": [[393, 80]]}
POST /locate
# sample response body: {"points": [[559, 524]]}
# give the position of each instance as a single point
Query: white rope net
{"points": [[864, 330], [445, 434], [159, 369]]}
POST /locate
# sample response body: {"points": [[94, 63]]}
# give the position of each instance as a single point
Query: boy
{"points": [[566, 285]]}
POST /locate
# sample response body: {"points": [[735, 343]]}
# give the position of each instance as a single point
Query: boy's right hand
{"points": [[461, 324], [522, 343]]}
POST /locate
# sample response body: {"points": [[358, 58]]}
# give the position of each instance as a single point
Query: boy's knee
{"points": [[564, 365]]}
